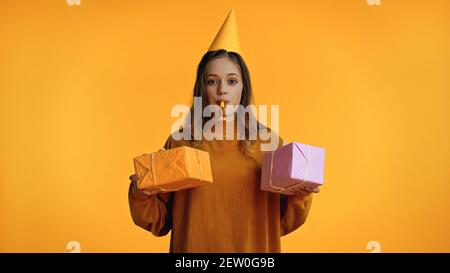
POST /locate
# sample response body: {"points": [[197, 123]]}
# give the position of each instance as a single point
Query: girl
{"points": [[232, 214]]}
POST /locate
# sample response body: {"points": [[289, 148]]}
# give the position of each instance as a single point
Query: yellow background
{"points": [[84, 89]]}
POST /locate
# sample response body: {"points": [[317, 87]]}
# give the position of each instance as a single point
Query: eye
{"points": [[232, 82], [211, 82]]}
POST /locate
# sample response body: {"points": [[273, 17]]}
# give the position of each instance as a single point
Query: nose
{"points": [[221, 90]]}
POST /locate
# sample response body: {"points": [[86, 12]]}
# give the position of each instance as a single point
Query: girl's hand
{"points": [[306, 190]]}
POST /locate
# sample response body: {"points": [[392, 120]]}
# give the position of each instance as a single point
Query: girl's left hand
{"points": [[306, 191]]}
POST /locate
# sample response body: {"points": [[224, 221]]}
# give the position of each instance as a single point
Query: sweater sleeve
{"points": [[152, 212], [294, 210]]}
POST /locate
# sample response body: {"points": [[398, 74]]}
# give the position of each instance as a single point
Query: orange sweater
{"points": [[230, 215]]}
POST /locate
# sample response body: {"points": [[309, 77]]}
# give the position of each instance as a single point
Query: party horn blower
{"points": [[222, 105]]}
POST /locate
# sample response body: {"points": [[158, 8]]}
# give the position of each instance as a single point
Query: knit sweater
{"points": [[232, 214]]}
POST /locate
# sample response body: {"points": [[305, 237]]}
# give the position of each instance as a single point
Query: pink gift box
{"points": [[294, 165]]}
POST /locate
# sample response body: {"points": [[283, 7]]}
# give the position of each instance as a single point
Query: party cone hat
{"points": [[227, 38]]}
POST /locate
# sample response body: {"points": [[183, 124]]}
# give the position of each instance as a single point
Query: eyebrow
{"points": [[229, 74]]}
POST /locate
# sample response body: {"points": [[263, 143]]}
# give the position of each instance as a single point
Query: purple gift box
{"points": [[291, 166]]}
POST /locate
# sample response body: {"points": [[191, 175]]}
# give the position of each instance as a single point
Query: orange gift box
{"points": [[173, 170]]}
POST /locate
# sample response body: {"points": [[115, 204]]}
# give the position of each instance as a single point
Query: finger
{"points": [[134, 177], [302, 192], [310, 189]]}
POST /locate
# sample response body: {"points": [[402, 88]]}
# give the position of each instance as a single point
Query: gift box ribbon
{"points": [[305, 177]]}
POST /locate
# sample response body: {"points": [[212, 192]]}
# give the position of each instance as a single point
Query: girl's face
{"points": [[223, 81]]}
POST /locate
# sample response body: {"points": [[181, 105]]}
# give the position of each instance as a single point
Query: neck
{"points": [[228, 124]]}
